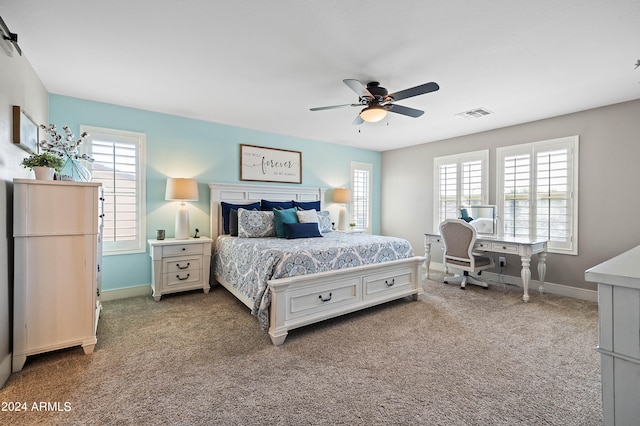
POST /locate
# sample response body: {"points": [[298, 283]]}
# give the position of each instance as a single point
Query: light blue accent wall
{"points": [[206, 151]]}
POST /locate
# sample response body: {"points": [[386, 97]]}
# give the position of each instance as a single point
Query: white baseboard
{"points": [[5, 369], [552, 288], [123, 293]]}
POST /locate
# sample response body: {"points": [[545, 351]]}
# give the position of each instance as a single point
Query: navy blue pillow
{"points": [[307, 205], [226, 209], [301, 230], [268, 206]]}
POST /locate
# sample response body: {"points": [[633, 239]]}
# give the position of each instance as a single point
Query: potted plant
{"points": [[43, 164]]}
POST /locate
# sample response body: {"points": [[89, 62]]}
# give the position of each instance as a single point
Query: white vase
{"points": [[43, 173]]}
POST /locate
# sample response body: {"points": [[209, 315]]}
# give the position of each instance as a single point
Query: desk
{"points": [[508, 245]]}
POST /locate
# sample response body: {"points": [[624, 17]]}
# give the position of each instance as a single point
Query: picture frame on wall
{"points": [[25, 130], [261, 164]]}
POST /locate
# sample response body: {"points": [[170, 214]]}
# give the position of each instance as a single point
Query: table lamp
{"points": [[180, 189], [343, 196]]}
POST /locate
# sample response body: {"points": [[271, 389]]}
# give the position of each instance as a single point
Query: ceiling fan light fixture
{"points": [[373, 113]]}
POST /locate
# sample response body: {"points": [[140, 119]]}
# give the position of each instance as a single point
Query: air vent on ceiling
{"points": [[474, 113]]}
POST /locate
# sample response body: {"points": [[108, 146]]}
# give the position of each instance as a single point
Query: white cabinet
{"points": [[619, 336], [57, 253], [180, 265]]}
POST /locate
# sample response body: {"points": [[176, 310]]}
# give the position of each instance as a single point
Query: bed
{"points": [[294, 282]]}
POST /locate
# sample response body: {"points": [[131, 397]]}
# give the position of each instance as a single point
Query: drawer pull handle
{"points": [[184, 248], [183, 267], [182, 279], [389, 284], [323, 299]]}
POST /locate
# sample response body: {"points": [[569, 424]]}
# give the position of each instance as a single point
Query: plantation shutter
{"points": [[517, 184], [448, 196], [118, 164], [539, 192], [360, 192]]}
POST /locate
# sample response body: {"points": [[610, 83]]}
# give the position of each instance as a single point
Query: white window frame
{"points": [[362, 196], [138, 245], [457, 162], [571, 143]]}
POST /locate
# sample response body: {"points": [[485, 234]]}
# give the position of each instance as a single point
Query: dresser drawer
{"points": [[181, 250], [182, 264], [323, 298], [379, 285], [505, 248], [181, 278]]}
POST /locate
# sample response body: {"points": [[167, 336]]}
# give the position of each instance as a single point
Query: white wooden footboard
{"points": [[308, 299]]}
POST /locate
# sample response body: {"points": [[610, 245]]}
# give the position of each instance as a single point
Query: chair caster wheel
{"points": [[462, 288], [446, 282]]}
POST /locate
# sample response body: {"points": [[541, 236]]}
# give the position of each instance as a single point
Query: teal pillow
{"points": [[284, 216]]}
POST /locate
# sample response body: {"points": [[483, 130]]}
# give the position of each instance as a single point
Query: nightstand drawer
{"points": [[181, 250], [182, 264], [181, 278]]}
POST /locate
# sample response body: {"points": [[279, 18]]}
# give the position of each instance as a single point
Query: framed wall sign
{"points": [[25, 131], [270, 164]]}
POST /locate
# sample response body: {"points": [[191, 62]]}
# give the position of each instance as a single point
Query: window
{"points": [[537, 192], [119, 166], [361, 189], [460, 179]]}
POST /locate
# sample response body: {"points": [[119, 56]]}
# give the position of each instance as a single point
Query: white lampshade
{"points": [[342, 195], [373, 113], [179, 189]]}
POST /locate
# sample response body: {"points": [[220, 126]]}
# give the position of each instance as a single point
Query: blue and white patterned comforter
{"points": [[248, 263]]}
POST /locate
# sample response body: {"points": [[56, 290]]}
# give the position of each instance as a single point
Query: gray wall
{"points": [[19, 85], [609, 191]]}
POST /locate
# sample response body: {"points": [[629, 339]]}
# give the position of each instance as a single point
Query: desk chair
{"points": [[459, 238]]}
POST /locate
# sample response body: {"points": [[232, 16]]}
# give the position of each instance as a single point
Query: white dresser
{"points": [[619, 336], [180, 265], [57, 254]]}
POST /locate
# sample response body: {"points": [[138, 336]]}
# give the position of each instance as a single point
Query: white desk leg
{"points": [[542, 269], [526, 276], [427, 255]]}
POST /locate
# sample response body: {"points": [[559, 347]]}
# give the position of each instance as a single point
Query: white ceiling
{"points": [[263, 64]]}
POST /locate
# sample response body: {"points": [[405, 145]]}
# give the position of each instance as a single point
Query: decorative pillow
{"points": [[307, 205], [301, 230], [233, 222], [268, 206], [281, 217], [307, 216], [255, 224], [324, 221], [226, 209]]}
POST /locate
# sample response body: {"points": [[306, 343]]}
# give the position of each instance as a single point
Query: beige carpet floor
{"points": [[478, 357]]}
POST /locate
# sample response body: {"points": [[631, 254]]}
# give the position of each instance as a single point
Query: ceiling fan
{"points": [[377, 101]]}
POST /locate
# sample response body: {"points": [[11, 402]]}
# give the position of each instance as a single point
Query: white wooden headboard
{"points": [[240, 193]]}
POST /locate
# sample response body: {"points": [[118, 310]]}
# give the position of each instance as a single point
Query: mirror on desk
{"points": [[482, 217]]}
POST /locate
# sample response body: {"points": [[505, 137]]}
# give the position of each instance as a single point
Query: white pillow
{"points": [[307, 216]]}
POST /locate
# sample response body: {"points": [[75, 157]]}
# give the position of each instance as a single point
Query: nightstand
{"points": [[179, 265], [351, 231]]}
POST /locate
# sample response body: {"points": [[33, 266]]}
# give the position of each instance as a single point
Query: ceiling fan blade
{"points": [[334, 107], [415, 91], [358, 120], [399, 109], [357, 87]]}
